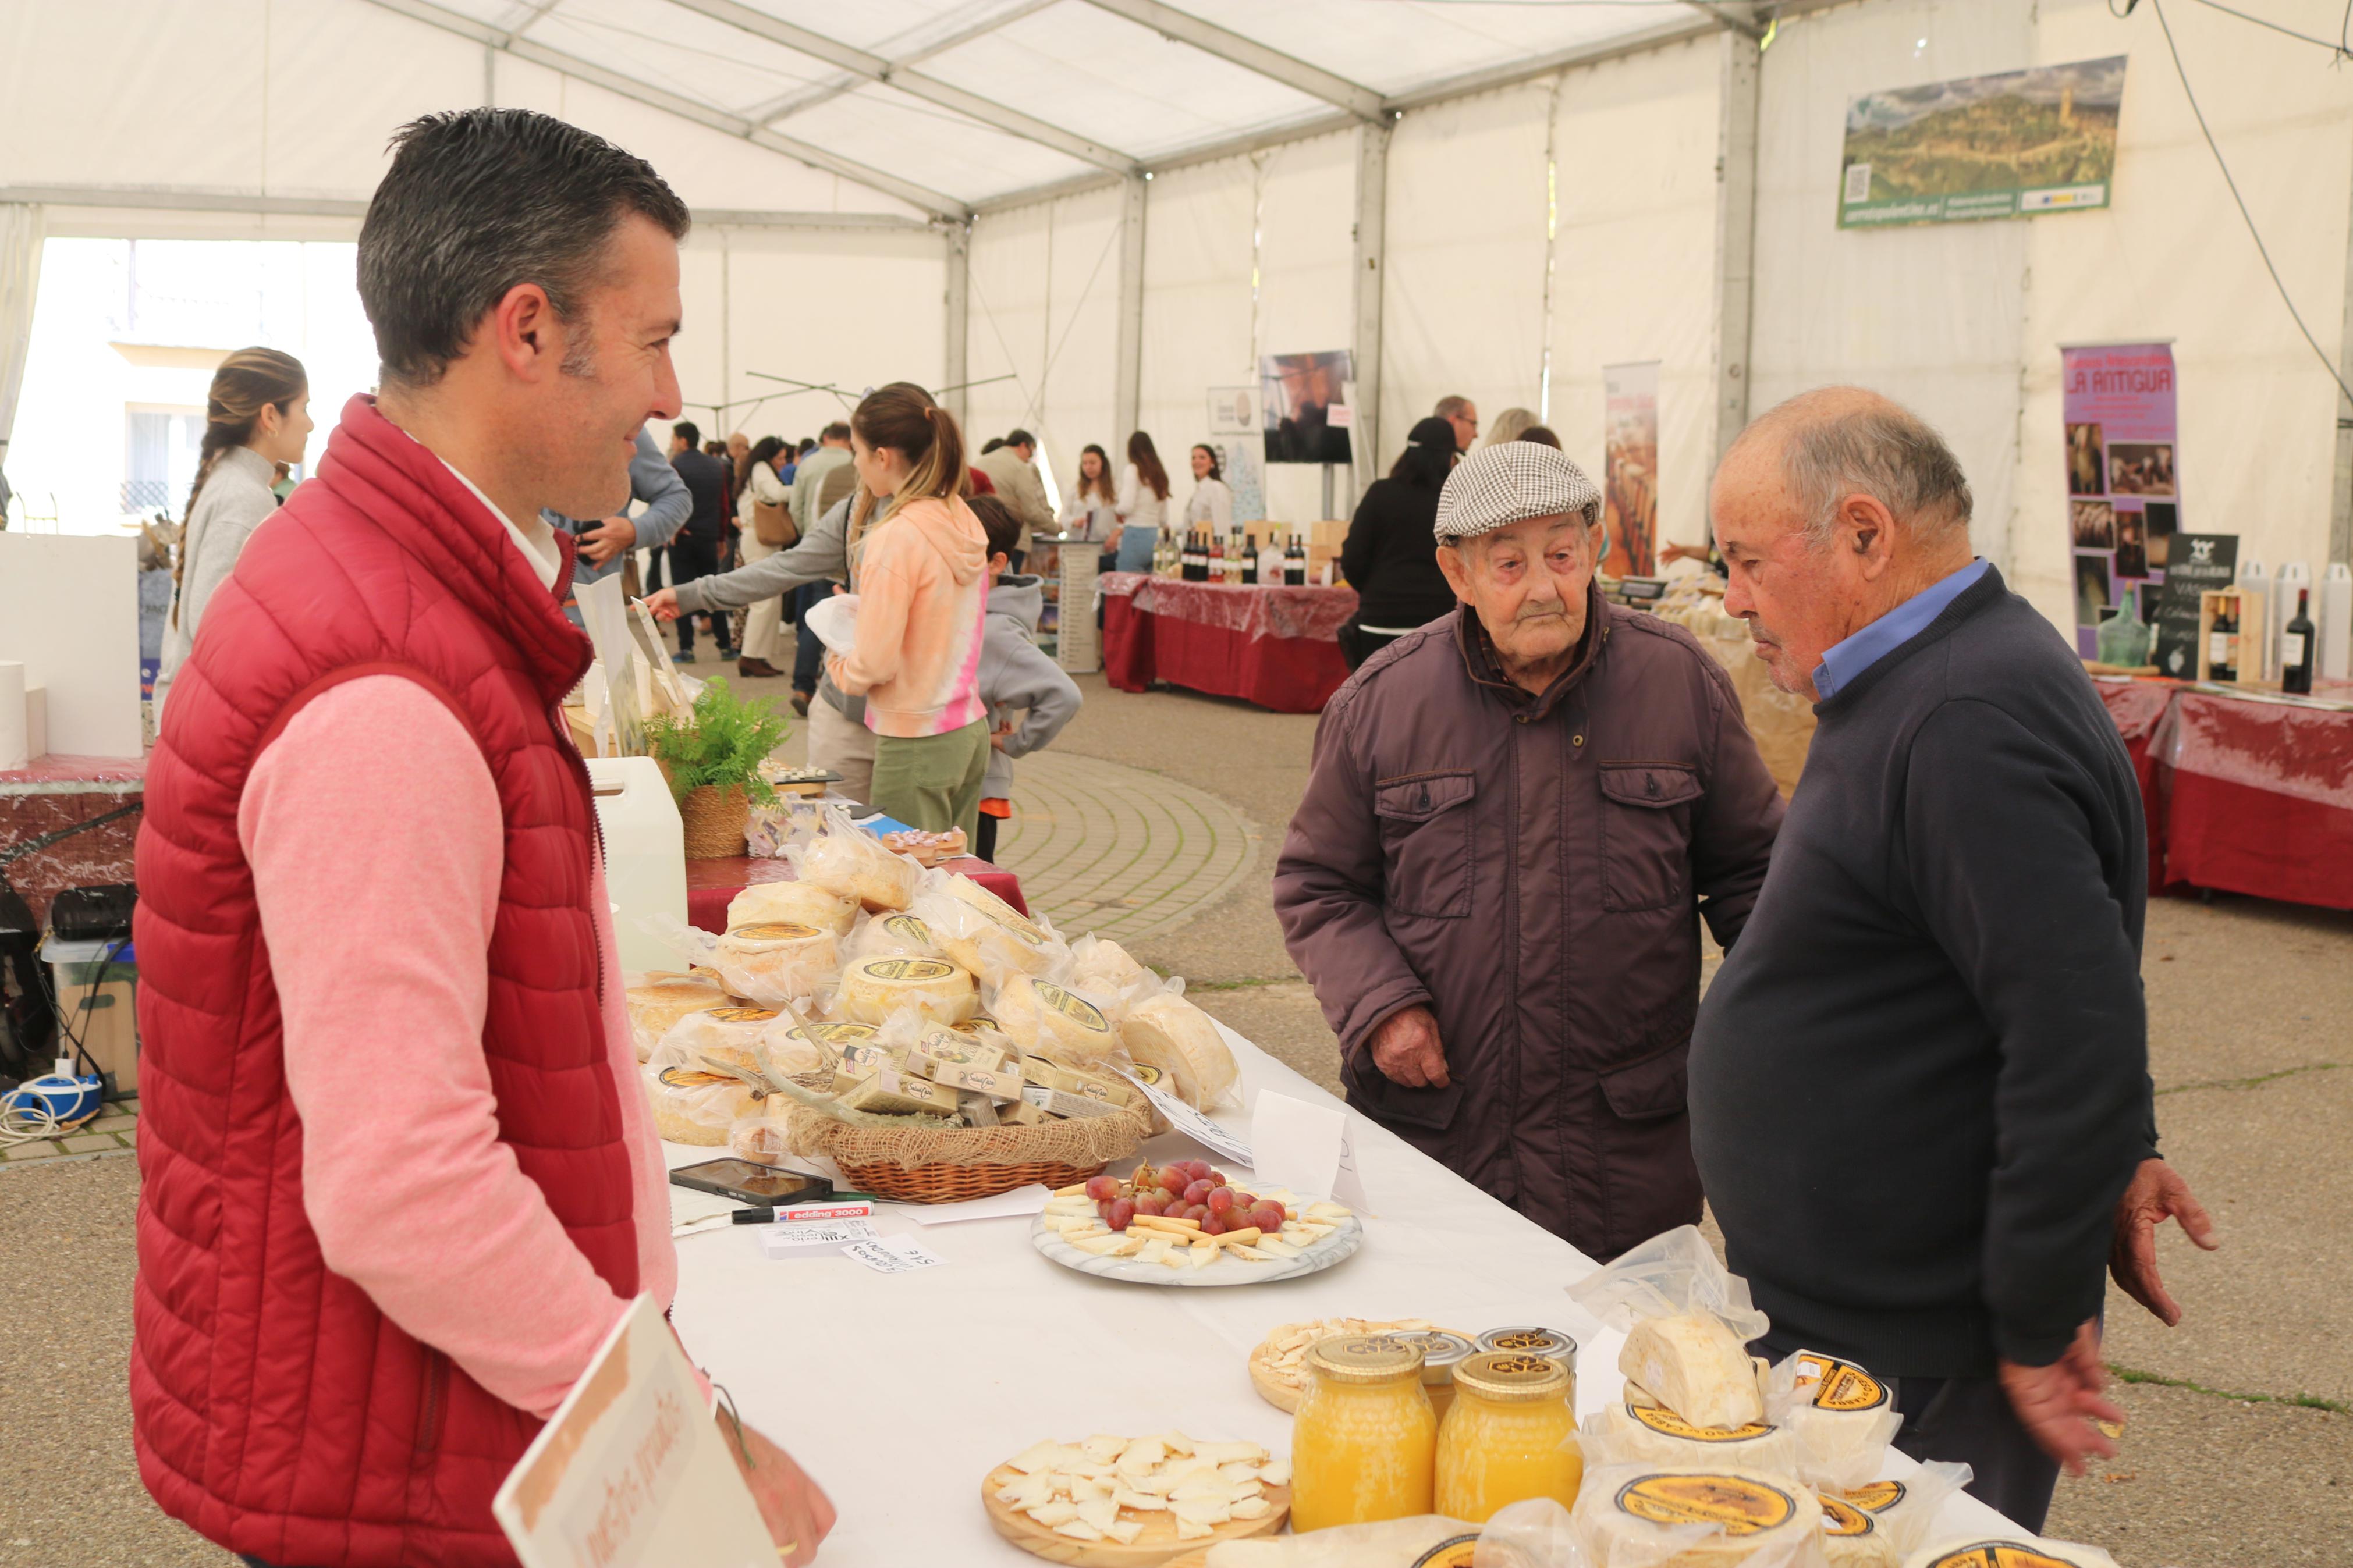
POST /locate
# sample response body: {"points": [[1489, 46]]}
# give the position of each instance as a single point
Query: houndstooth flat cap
{"points": [[1509, 482]]}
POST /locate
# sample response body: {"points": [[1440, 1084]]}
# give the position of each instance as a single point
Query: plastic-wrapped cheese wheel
{"points": [[1098, 963], [661, 1000], [2018, 1551], [1049, 1020], [855, 865], [1635, 1516], [791, 1049], [793, 903], [1852, 1538], [985, 934], [719, 1034], [693, 1106], [874, 988], [879, 936], [778, 960], [1182, 1041], [1693, 1365], [1631, 1433], [1840, 1417]]}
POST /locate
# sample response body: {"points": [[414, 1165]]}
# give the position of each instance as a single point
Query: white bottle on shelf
{"points": [[2333, 614]]}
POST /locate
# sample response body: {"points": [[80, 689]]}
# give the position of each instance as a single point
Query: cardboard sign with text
{"points": [[632, 1472]]}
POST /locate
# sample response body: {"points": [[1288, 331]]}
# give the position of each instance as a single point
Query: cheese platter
{"points": [[1136, 1502], [1182, 1223]]}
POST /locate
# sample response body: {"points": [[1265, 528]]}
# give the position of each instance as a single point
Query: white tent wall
{"points": [[1197, 307], [1635, 141], [1045, 303], [1305, 254]]}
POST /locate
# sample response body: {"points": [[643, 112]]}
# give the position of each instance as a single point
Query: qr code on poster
{"points": [[1858, 183]]}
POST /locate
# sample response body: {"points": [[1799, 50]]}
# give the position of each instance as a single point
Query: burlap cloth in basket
{"points": [[1082, 1141]]}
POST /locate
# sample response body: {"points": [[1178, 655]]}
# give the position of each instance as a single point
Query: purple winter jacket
{"points": [[1530, 870]]}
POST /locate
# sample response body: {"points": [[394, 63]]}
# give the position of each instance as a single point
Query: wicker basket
{"points": [[714, 820], [945, 1166], [954, 1184]]}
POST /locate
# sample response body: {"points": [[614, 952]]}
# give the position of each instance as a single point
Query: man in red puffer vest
{"points": [[400, 1179]]}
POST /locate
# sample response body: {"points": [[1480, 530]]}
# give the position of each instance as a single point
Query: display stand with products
{"points": [[1275, 647]]}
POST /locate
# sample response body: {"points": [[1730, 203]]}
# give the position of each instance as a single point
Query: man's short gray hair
{"points": [[1447, 408], [1840, 443]]}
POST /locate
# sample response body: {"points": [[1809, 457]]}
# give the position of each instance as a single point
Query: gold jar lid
{"points": [[1365, 1359], [1513, 1377]]}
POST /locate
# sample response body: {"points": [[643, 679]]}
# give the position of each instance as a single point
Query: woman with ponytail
{"points": [[918, 558], [256, 415]]}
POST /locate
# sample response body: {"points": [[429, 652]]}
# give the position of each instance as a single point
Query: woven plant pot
{"points": [[714, 820]]}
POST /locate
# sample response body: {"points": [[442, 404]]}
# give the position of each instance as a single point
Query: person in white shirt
{"points": [[256, 415], [1212, 504], [1092, 508], [1142, 504]]}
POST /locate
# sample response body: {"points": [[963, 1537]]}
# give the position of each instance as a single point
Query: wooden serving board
{"points": [[1159, 1544], [1282, 1395]]}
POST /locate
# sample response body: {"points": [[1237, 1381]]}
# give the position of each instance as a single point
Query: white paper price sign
{"points": [[1192, 1123], [813, 1237], [893, 1255]]}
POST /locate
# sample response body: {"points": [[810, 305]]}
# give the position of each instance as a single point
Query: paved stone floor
{"points": [[1158, 818]]}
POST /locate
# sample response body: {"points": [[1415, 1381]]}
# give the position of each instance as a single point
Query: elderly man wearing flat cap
{"points": [[1515, 813]]}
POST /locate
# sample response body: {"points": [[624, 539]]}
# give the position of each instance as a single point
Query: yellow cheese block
{"points": [[1047, 1020], [794, 904], [874, 988]]}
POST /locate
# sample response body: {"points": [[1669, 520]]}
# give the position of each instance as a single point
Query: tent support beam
{"points": [[1248, 53], [170, 199], [1127, 379], [1735, 230], [874, 68], [809, 97], [1371, 271], [959, 313], [937, 203], [2340, 507]]}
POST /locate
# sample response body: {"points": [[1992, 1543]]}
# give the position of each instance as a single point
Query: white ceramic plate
{"points": [[1334, 1248], [835, 621]]}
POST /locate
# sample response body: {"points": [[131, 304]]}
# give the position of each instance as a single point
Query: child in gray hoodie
{"points": [[1015, 674]]}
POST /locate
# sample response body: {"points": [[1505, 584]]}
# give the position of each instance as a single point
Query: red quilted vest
{"points": [[275, 1410]]}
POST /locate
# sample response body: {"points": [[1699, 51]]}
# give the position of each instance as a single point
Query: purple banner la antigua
{"points": [[2123, 479]]}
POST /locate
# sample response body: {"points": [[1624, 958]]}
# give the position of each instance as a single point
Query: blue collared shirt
{"points": [[1842, 662]]}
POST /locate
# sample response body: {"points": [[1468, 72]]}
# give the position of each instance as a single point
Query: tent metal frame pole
{"points": [[1371, 273], [1127, 380], [1735, 230], [959, 323], [1250, 54], [181, 199], [2340, 500]]}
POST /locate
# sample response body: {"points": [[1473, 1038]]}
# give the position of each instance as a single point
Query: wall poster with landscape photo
{"points": [[2023, 142]]}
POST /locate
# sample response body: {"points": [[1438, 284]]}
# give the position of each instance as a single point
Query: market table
{"points": [[712, 885], [68, 822], [900, 1393], [1275, 647], [2242, 793]]}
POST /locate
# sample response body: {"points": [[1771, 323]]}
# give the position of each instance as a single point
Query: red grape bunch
{"points": [[1188, 1190]]}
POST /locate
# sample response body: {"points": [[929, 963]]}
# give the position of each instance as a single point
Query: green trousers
{"points": [[933, 783]]}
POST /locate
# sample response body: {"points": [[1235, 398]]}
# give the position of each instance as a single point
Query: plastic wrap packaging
{"points": [[1880, 1523], [793, 903], [849, 860], [883, 936], [777, 960], [1840, 1417], [1167, 1032], [874, 988], [774, 825], [2007, 1549], [791, 1053], [661, 999], [1428, 1538], [758, 1134], [1687, 1323], [1098, 963], [987, 936], [1052, 1021], [1537, 1533], [693, 1106], [1635, 1432], [1642, 1516], [719, 1036]]}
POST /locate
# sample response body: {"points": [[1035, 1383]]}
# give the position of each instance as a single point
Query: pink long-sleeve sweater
{"points": [[374, 835]]}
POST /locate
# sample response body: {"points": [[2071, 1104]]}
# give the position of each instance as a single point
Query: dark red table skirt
{"points": [[712, 885], [1289, 675]]}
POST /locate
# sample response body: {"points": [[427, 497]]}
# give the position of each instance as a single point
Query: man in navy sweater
{"points": [[1920, 1100]]}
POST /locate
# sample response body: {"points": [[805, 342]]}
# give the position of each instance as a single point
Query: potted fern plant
{"points": [[712, 756]]}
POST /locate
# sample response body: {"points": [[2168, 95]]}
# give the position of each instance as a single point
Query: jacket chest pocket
{"points": [[1426, 844], [1646, 811]]}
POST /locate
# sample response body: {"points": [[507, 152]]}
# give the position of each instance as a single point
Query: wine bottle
{"points": [[2222, 646], [1249, 561], [2296, 647]]}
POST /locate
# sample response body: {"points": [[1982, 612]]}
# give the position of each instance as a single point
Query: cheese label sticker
{"points": [[1876, 1498], [1846, 1387], [910, 929], [844, 1034], [1078, 1009], [1454, 1551], [1659, 1418], [773, 930], [1839, 1518], [2000, 1554], [907, 969], [1149, 1074], [688, 1077], [1734, 1504], [740, 1015]]}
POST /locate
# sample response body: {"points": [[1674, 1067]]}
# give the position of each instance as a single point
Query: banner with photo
{"points": [[2124, 481], [2028, 142], [1629, 460]]}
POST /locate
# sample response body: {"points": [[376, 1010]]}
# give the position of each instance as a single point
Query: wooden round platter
{"points": [[1284, 1396], [1191, 1559], [1157, 1545]]}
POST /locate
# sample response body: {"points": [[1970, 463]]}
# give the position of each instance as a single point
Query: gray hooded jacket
{"points": [[1015, 674]]}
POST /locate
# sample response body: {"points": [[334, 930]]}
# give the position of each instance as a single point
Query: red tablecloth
{"points": [[2243, 795], [1275, 647], [712, 885]]}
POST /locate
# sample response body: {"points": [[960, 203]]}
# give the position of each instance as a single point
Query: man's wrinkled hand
{"points": [[2057, 1403], [798, 1512], [2158, 1192], [1406, 1050], [607, 539]]}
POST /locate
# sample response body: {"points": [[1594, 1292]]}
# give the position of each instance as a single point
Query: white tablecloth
{"points": [[898, 1393]]}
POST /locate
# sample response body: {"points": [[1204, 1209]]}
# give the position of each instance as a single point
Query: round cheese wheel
{"points": [[657, 1004], [1098, 963], [1171, 1034], [726, 1034], [1636, 1434], [856, 866], [1853, 1539], [2018, 1551], [1047, 1020], [874, 988], [988, 936], [1630, 1514], [794, 904], [1840, 1418], [791, 1051], [778, 958], [693, 1106], [879, 936]]}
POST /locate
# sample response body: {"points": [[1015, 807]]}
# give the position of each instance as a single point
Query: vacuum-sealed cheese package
{"points": [[1639, 1516], [2008, 1550], [716, 1037], [984, 933], [1169, 1032], [1879, 1523], [1425, 1538], [660, 1000], [1053, 1021], [1687, 1322], [693, 1106], [874, 988], [1098, 963], [777, 960], [793, 903], [1840, 1418], [851, 861], [883, 936], [1633, 1432]]}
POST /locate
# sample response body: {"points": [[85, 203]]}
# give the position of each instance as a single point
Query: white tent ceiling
{"points": [[951, 104]]}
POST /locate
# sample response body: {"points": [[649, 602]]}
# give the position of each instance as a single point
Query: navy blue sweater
{"points": [[1919, 1083]]}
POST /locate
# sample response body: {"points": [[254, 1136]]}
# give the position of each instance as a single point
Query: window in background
{"points": [[160, 451]]}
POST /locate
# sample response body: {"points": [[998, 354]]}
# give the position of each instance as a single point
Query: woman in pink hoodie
{"points": [[919, 558]]}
